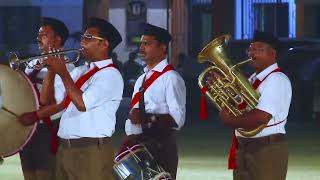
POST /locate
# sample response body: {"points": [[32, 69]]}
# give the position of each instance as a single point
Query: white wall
{"points": [[157, 17], [117, 17]]}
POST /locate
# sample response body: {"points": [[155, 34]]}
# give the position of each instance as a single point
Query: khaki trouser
{"points": [[263, 158], [37, 162], [85, 159]]}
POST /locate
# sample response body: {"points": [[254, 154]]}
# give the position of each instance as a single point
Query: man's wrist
{"points": [[36, 115]]}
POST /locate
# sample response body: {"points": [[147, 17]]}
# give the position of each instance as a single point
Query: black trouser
{"points": [[162, 146]]}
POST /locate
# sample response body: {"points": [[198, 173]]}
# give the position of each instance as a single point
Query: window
{"points": [[136, 18]]}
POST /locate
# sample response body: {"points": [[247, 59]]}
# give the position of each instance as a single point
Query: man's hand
{"points": [[56, 63], [28, 118], [226, 117], [134, 116]]}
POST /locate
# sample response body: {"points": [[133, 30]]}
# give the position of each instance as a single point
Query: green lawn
{"points": [[204, 147]]}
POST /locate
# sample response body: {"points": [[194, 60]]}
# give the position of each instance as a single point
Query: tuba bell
{"points": [[232, 90]]}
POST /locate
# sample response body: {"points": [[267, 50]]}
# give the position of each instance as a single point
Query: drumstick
{"points": [[10, 112]]}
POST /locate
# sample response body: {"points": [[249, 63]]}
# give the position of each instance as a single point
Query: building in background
{"points": [[193, 23], [129, 17], [308, 15], [277, 16], [20, 21]]}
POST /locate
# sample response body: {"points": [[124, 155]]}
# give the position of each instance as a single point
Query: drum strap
{"points": [[142, 109], [232, 153]]}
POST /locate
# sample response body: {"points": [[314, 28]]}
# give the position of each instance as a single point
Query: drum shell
{"points": [[137, 163]]}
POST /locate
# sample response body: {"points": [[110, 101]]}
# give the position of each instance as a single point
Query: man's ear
{"points": [[274, 52], [106, 43], [163, 47], [59, 40]]}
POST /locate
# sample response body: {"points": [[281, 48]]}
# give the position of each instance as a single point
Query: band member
{"points": [[158, 103], [90, 95], [36, 160], [264, 156]]}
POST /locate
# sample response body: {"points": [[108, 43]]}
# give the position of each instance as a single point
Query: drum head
{"points": [[18, 96]]}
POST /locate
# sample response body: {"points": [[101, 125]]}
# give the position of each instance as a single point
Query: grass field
{"points": [[203, 150]]}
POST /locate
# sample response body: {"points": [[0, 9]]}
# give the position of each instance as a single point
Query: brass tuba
{"points": [[231, 90]]}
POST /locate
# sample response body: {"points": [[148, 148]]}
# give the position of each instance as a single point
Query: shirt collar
{"points": [[159, 67], [267, 71], [100, 64]]}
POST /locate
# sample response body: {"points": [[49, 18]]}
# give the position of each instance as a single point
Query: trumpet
{"points": [[15, 62]]}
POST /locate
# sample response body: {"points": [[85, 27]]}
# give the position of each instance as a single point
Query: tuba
{"points": [[232, 90]]}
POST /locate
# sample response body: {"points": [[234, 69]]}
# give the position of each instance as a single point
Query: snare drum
{"points": [[18, 95], [137, 163]]}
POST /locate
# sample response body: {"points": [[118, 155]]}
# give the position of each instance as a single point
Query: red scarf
{"points": [[84, 78], [148, 83]]}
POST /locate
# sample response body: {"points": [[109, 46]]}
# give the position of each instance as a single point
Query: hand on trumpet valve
{"points": [[56, 63]]}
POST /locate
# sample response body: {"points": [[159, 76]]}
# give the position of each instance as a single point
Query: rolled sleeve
{"points": [[176, 98], [101, 88]]}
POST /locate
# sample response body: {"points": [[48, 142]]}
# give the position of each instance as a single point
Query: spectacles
{"points": [[89, 36], [255, 50]]}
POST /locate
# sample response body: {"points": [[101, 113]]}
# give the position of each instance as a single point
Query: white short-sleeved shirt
{"points": [[166, 95], [275, 98], [41, 75], [102, 94]]}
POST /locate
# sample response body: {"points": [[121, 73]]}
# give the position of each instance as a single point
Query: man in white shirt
{"points": [[90, 95], [36, 160], [265, 155], [160, 112]]}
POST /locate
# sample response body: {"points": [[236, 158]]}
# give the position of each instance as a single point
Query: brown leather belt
{"points": [[261, 140], [83, 142]]}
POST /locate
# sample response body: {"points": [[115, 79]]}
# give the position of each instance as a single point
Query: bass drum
{"points": [[17, 95]]}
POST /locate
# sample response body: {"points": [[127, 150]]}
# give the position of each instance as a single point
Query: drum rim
{"points": [[31, 133], [135, 148]]}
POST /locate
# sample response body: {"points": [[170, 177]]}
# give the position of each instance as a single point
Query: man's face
{"points": [[47, 39], [150, 49], [92, 43], [262, 54]]}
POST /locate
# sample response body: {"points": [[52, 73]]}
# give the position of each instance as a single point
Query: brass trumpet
{"points": [[15, 61]]}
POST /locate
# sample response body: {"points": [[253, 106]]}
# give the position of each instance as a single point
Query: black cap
{"points": [[58, 27], [266, 37], [106, 30], [162, 35]]}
